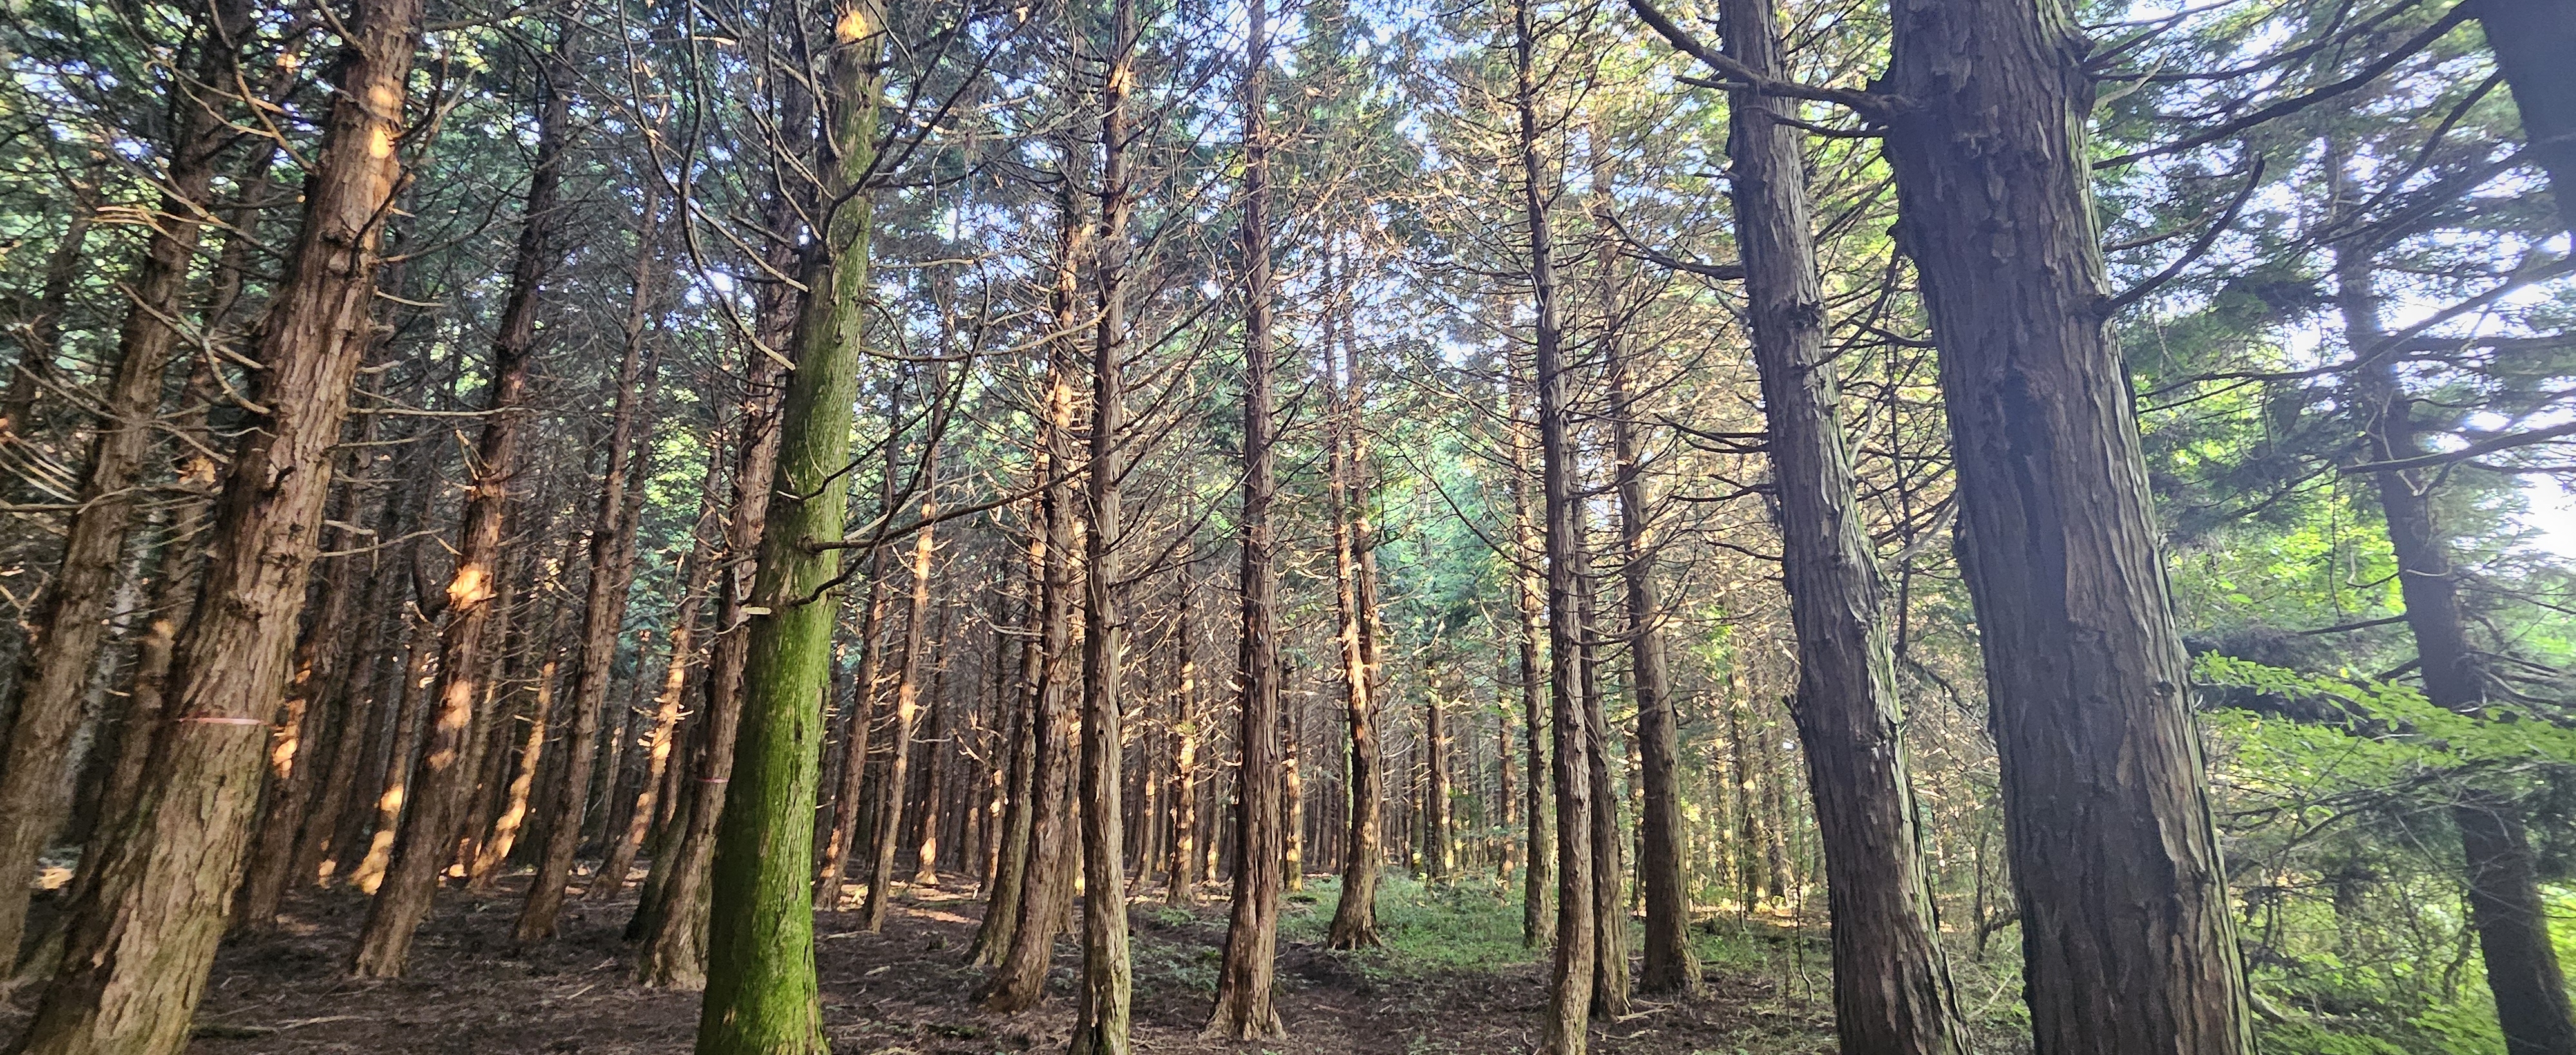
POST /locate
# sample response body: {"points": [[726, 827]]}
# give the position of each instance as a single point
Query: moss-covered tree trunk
{"points": [[761, 996]]}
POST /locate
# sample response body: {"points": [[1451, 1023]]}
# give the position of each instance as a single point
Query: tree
{"points": [[136, 961], [1244, 1009], [761, 993], [2114, 856]]}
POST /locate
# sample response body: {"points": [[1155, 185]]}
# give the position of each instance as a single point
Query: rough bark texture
{"points": [[1244, 1009], [659, 747], [1669, 966], [2512, 922], [1010, 850], [137, 961], [2532, 40], [69, 624], [440, 790], [2129, 944], [1891, 985], [1019, 980], [1564, 1031], [761, 994], [1100, 1019], [1355, 916], [1538, 925]]}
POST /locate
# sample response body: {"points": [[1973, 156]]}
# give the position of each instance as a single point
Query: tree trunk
{"points": [[1019, 980], [1355, 916], [2505, 903], [1891, 985], [1669, 966], [69, 625], [136, 962], [2532, 39], [2129, 943], [860, 728], [1610, 997], [612, 566], [761, 993], [1439, 850], [1538, 925], [697, 576], [1564, 1031], [1244, 1008], [1010, 852], [907, 693], [1100, 1022], [440, 791]]}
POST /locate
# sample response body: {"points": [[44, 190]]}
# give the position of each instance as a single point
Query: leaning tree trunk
{"points": [[1009, 839], [1569, 1005], [439, 791], [697, 575], [2532, 40], [603, 607], [136, 961], [2129, 944], [70, 624], [761, 993], [1101, 1012], [1891, 985], [1244, 1008], [2505, 904]]}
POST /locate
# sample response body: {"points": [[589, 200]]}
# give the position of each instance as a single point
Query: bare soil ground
{"points": [[903, 991]]}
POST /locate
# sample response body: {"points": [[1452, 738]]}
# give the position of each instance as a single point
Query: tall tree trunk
{"points": [[761, 993], [1669, 966], [1355, 916], [1538, 925], [1891, 984], [860, 727], [612, 571], [671, 917], [1100, 1021], [136, 962], [1182, 875], [2532, 39], [69, 625], [1019, 980], [440, 791], [1439, 850], [1570, 979], [2505, 904], [1244, 1009], [1610, 996], [907, 693], [2129, 943]]}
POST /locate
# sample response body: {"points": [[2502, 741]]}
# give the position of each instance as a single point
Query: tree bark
{"points": [[697, 576], [762, 995], [1355, 916], [1891, 983], [2532, 39], [1669, 966], [1008, 880], [1570, 978], [2505, 905], [440, 790], [69, 625], [2129, 943], [1100, 1021], [136, 962], [1244, 1008], [1538, 925]]}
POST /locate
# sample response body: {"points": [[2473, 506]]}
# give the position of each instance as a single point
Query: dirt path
{"points": [[903, 991]]}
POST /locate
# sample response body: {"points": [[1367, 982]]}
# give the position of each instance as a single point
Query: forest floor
{"points": [[1453, 977]]}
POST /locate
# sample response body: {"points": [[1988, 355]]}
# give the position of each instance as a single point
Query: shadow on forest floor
{"points": [[1453, 978]]}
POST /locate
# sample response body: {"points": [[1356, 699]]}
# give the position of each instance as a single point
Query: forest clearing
{"points": [[1655, 527]]}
